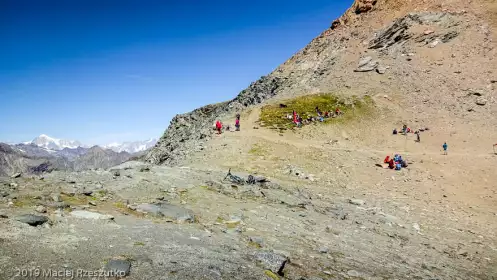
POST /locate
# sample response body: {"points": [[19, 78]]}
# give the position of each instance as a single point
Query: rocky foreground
{"points": [[185, 223]]}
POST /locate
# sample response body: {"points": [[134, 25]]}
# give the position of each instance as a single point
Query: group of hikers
{"points": [[299, 121], [396, 162], [405, 130], [219, 125]]}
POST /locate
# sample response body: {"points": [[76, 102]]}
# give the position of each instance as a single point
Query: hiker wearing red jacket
{"points": [[219, 126], [237, 124]]}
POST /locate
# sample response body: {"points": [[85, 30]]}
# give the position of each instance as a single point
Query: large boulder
{"points": [[32, 220]]}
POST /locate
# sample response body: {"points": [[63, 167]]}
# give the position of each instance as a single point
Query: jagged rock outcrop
{"points": [[400, 30]]}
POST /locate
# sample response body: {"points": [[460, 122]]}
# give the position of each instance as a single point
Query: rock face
{"points": [[400, 30]]}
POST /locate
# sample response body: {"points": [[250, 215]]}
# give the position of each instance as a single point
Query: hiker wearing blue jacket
{"points": [[444, 146]]}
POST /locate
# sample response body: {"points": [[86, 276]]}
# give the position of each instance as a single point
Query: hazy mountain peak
{"points": [[51, 143], [132, 147]]}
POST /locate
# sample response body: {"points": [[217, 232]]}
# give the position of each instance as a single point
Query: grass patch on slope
{"points": [[274, 116]]}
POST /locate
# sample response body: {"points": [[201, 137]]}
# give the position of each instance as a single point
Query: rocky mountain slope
{"points": [[432, 55]]}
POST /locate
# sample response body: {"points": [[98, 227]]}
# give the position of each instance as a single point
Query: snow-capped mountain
{"points": [[55, 144], [51, 144], [132, 147]]}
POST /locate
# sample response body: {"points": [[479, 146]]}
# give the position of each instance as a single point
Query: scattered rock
{"points": [[271, 261], [356, 201], [428, 32], [434, 43], [381, 70], [90, 215], [463, 253], [3, 216], [87, 192], [144, 169], [32, 220], [366, 64], [56, 198], [364, 61], [13, 185], [41, 209], [131, 207], [92, 203], [259, 241], [70, 191], [481, 101], [353, 273], [323, 250], [416, 227], [116, 173], [16, 175], [167, 210], [120, 267]]}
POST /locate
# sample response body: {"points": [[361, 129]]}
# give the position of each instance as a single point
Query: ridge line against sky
{"points": [[115, 71]]}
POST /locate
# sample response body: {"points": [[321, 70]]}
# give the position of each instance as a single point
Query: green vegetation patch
{"points": [[75, 200], [274, 116], [25, 201]]}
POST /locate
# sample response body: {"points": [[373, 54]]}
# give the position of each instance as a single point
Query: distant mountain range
{"points": [[54, 144], [45, 154]]}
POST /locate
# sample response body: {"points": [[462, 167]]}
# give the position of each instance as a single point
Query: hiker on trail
{"points": [[418, 137], [404, 129], [294, 117], [394, 131], [219, 126], [444, 146], [338, 112], [237, 124]]}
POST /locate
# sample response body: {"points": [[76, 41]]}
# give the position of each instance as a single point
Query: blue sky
{"points": [[114, 71]]}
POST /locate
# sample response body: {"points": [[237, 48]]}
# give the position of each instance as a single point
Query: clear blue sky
{"points": [[106, 71]]}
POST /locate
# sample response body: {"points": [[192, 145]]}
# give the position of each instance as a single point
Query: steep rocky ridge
{"points": [[435, 54]]}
